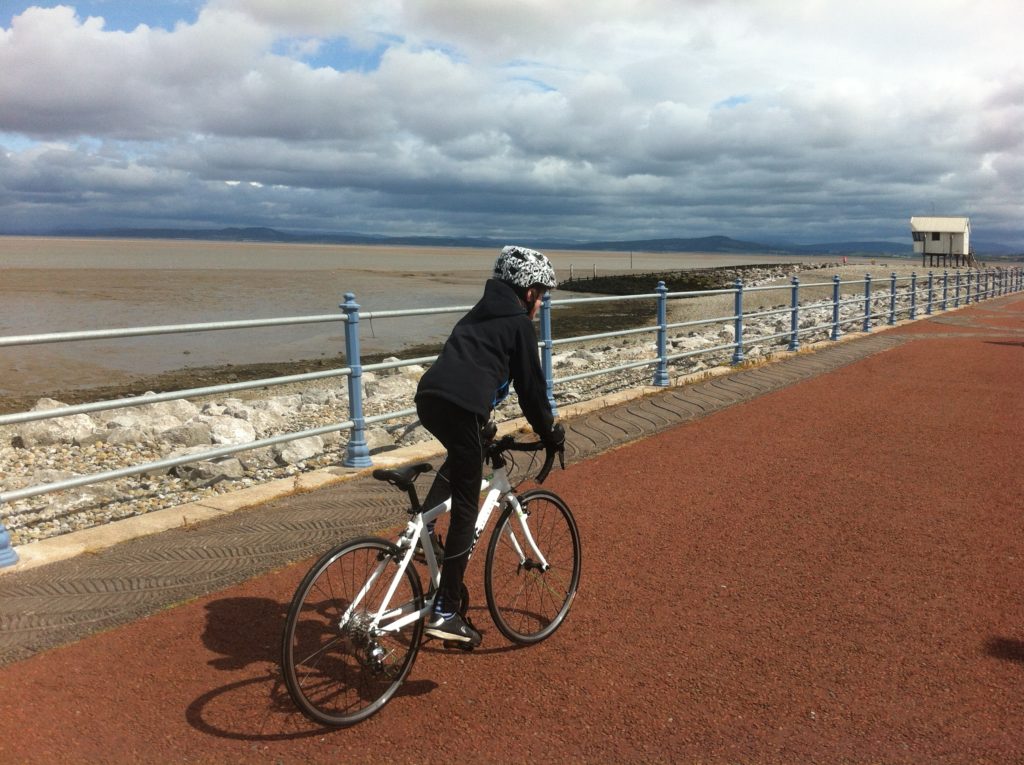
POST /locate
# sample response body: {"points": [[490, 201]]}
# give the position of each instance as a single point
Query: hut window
{"points": [[935, 236]]}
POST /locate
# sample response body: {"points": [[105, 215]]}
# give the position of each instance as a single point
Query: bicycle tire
{"points": [[339, 675], [528, 605]]}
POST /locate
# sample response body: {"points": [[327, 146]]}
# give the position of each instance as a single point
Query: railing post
{"points": [[7, 555], [794, 318], [913, 295], [967, 297], [358, 453], [931, 293], [737, 356], [892, 298], [545, 354], [956, 290], [945, 290], [867, 302], [835, 307], [661, 371]]}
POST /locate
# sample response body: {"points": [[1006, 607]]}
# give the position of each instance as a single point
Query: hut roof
{"points": [[943, 225]]}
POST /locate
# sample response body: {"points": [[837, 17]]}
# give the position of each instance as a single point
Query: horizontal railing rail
{"points": [[884, 300]]}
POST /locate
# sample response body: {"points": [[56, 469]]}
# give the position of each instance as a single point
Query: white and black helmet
{"points": [[522, 267]]}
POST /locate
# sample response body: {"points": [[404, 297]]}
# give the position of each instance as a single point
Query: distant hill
{"points": [[704, 244], [723, 244]]}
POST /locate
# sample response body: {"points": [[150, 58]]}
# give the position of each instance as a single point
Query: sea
{"points": [[54, 285]]}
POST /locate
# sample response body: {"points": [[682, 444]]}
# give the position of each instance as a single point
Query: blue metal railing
{"points": [[977, 286]]}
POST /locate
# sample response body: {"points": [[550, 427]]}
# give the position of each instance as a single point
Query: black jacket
{"points": [[492, 345]]}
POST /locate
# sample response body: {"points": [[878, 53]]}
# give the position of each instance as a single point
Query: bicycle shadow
{"points": [[1007, 649], [245, 632]]}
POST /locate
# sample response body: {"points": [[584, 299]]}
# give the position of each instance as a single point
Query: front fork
{"points": [[521, 515]]}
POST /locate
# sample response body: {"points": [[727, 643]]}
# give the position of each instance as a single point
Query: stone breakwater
{"points": [[48, 451]]}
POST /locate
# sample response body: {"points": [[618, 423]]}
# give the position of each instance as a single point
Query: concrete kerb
{"points": [[98, 538]]}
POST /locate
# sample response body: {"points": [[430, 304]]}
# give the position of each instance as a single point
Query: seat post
{"points": [[413, 498]]}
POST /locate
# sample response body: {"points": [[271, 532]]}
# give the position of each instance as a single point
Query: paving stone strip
{"points": [[65, 601]]}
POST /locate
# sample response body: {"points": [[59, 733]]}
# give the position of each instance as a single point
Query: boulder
{"points": [[290, 402], [63, 430], [136, 434], [266, 423], [316, 397], [207, 472], [258, 459], [271, 406], [229, 430], [294, 452], [181, 409], [235, 407], [378, 438], [189, 434]]}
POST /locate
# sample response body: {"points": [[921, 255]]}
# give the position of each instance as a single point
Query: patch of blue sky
{"points": [[126, 15], [337, 53], [535, 83], [732, 102], [16, 142]]}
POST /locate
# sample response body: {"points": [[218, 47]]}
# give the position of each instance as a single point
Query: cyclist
{"points": [[491, 347]]}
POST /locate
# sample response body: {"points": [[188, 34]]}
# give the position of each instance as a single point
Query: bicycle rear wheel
{"points": [[337, 669], [527, 602]]}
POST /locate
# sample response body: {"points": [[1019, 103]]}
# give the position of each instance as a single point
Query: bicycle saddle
{"points": [[402, 477]]}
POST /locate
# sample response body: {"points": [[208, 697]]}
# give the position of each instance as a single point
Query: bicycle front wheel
{"points": [[527, 600], [338, 668]]}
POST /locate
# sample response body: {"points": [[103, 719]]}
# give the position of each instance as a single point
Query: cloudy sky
{"points": [[771, 120]]}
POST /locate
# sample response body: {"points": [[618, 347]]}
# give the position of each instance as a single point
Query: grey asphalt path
{"points": [[64, 601]]}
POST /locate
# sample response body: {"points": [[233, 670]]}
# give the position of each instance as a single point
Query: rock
{"points": [[396, 386], [136, 434], [389, 372], [266, 423], [189, 434], [124, 419], [294, 452], [162, 422], [207, 472], [181, 409], [258, 459], [234, 407], [288, 403], [214, 409], [97, 436], [378, 438], [272, 406], [229, 430], [688, 343], [317, 397], [63, 430]]}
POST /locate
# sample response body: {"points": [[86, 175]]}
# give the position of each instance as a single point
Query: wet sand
{"points": [[60, 285]]}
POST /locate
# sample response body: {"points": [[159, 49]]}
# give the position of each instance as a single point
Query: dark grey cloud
{"points": [[579, 119]]}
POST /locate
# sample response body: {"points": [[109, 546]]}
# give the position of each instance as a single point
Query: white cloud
{"points": [[604, 118]]}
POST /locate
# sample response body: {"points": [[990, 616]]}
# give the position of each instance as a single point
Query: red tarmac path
{"points": [[833, 572]]}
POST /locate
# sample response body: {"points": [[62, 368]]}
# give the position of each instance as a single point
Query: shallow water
{"points": [[61, 285]]}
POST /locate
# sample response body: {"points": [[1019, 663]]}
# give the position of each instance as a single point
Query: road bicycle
{"points": [[355, 624]]}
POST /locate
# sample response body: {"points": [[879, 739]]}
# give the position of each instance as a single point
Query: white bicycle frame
{"points": [[499, 494]]}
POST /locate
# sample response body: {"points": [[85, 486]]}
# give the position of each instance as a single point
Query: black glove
{"points": [[556, 438]]}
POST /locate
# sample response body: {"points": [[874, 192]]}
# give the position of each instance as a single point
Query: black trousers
{"points": [[459, 477]]}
